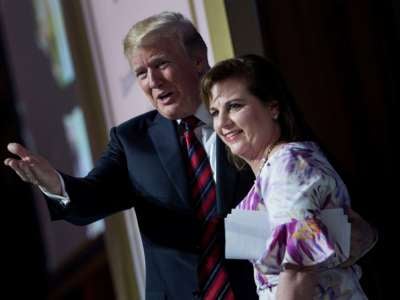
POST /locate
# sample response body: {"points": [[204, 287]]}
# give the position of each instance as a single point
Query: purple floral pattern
{"points": [[294, 185]]}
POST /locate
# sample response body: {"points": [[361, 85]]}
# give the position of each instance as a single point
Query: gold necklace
{"points": [[265, 158]]}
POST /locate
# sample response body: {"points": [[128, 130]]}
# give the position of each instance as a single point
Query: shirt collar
{"points": [[202, 114]]}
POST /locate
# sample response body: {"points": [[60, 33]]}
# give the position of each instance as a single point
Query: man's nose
{"points": [[155, 79]]}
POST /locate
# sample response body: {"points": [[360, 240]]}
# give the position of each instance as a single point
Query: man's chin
{"points": [[170, 114], [176, 111], [169, 111]]}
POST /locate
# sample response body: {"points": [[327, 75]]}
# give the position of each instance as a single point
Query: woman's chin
{"points": [[237, 152]]}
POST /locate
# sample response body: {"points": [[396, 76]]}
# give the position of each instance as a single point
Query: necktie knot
{"points": [[190, 122]]}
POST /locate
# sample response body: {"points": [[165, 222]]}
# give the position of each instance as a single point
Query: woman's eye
{"points": [[234, 106]]}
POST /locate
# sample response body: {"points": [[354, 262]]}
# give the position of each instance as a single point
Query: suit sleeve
{"points": [[104, 191]]}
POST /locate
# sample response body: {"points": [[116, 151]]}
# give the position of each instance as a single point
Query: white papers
{"points": [[247, 231], [338, 227]]}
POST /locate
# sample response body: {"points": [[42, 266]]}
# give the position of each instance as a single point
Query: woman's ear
{"points": [[274, 108]]}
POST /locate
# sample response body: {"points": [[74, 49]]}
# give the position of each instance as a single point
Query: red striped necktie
{"points": [[213, 278]]}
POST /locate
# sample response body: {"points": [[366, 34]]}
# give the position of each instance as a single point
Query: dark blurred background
{"points": [[341, 60]]}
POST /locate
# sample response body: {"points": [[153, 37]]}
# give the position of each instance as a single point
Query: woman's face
{"points": [[241, 120]]}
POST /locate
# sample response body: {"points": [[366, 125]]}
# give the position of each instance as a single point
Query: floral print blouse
{"points": [[294, 185]]}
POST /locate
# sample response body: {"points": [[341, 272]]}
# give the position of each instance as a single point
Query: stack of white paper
{"points": [[246, 232], [338, 227]]}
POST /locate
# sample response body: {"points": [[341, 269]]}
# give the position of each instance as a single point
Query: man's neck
{"points": [[203, 115]]}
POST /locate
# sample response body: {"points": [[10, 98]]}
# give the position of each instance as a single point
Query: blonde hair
{"points": [[165, 24]]}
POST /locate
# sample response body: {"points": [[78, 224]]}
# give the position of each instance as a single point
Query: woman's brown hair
{"points": [[266, 83]]}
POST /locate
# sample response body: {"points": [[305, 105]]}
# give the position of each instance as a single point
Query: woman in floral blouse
{"points": [[255, 116]]}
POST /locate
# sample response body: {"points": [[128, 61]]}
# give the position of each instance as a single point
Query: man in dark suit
{"points": [[144, 165]]}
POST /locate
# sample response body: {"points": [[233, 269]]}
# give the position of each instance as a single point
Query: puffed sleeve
{"points": [[294, 188]]}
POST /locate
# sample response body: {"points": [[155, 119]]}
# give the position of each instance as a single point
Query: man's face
{"points": [[169, 77]]}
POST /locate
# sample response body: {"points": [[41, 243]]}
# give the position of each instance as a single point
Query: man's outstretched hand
{"points": [[34, 169]]}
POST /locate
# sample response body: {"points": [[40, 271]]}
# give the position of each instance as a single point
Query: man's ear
{"points": [[200, 63]]}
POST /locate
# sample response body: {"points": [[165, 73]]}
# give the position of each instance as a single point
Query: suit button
{"points": [[196, 294]]}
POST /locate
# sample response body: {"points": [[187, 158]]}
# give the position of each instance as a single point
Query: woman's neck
{"points": [[257, 164]]}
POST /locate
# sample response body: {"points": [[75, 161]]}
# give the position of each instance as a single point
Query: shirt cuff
{"points": [[63, 199]]}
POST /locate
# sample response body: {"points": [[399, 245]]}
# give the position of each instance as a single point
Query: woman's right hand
{"points": [[34, 169]]}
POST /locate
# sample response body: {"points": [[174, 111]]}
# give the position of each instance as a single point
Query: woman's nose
{"points": [[222, 121]]}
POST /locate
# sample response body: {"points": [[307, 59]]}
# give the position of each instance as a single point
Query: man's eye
{"points": [[214, 113], [162, 65], [141, 75]]}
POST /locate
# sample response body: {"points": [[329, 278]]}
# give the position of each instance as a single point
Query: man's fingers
{"points": [[22, 169], [15, 165], [33, 168], [18, 149], [22, 175], [12, 163], [7, 161], [27, 170]]}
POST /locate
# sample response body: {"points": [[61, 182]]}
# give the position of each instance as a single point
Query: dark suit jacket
{"points": [[143, 167]]}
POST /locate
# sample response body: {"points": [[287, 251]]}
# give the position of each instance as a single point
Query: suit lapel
{"points": [[226, 180], [166, 142]]}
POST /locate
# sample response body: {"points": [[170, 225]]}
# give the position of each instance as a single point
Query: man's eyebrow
{"points": [[138, 69], [157, 59]]}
